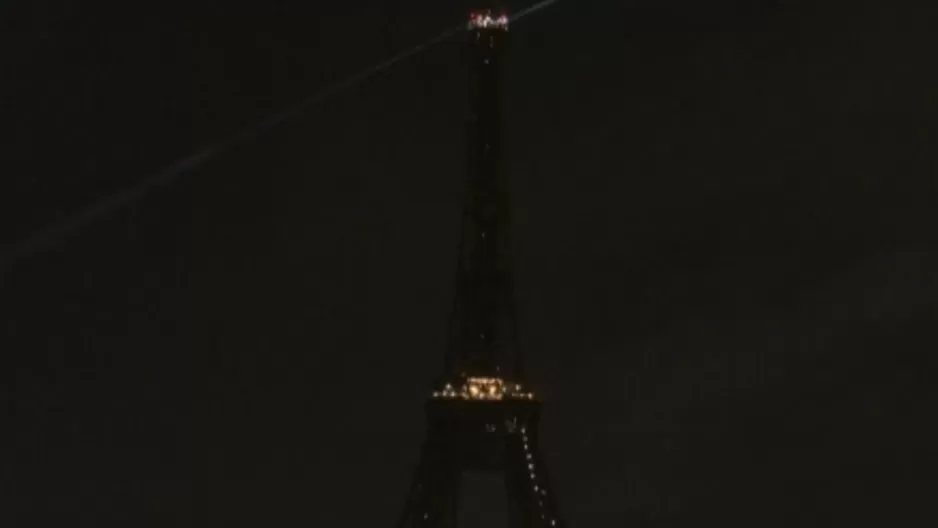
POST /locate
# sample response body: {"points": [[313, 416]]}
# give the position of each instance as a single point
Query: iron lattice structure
{"points": [[480, 416]]}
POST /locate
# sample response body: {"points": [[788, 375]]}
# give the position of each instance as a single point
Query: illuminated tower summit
{"points": [[480, 416]]}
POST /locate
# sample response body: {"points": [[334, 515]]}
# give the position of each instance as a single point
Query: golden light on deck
{"points": [[482, 388]]}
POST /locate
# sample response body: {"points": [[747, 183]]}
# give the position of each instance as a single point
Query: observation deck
{"points": [[484, 389], [488, 19]]}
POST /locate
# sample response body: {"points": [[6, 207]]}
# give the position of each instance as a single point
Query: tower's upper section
{"points": [[483, 342]]}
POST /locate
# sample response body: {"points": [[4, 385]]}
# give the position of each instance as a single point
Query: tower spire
{"points": [[483, 337]]}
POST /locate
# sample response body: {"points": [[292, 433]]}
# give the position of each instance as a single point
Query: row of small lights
{"points": [[482, 389], [478, 20], [542, 490]]}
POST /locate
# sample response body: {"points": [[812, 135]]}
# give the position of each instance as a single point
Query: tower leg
{"points": [[531, 501], [433, 499]]}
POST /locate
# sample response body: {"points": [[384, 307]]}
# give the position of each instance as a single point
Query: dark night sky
{"points": [[725, 217]]}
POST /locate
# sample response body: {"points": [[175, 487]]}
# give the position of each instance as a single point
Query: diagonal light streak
{"points": [[51, 234], [534, 8]]}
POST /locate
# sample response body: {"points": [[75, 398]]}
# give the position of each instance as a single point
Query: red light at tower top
{"points": [[488, 20]]}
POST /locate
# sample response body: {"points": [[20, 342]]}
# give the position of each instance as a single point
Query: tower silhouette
{"points": [[480, 416]]}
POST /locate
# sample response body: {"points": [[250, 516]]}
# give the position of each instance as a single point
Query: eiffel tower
{"points": [[480, 415]]}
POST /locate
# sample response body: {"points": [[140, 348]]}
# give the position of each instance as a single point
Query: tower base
{"points": [[488, 436]]}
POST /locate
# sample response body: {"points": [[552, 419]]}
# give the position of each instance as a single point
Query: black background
{"points": [[724, 236]]}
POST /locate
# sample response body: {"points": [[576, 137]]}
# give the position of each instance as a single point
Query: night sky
{"points": [[727, 266]]}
